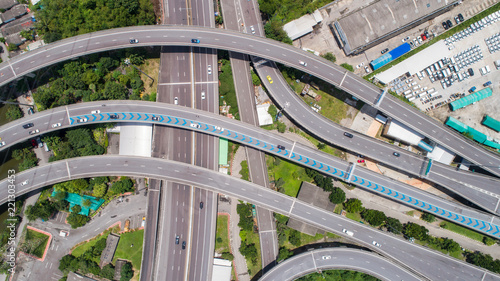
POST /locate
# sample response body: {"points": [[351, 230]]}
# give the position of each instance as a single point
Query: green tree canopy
{"points": [[373, 217], [337, 196], [393, 225], [353, 205]]}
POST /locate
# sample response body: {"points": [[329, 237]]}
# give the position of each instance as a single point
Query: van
{"points": [[412, 99], [407, 92]]}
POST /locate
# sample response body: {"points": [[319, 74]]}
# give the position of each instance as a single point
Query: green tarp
{"points": [[455, 124], [223, 148], [470, 99], [76, 199], [491, 123]]}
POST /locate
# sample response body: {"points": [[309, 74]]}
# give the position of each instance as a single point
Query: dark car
{"points": [[134, 41], [156, 118], [196, 41], [27, 126], [33, 143], [349, 135], [385, 50], [201, 205], [396, 154], [113, 116], [471, 72], [445, 26], [426, 33], [183, 245], [281, 147], [448, 22], [460, 17], [177, 240]]}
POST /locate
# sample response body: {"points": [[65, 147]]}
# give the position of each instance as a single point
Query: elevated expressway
{"points": [[432, 265], [476, 188], [337, 258], [208, 123]]}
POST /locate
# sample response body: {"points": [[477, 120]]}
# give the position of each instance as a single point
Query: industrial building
{"points": [[470, 99], [390, 56], [382, 20], [491, 123], [303, 25], [473, 133]]}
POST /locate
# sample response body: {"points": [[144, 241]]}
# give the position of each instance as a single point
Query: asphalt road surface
{"points": [[338, 258], [246, 134], [432, 264], [261, 47]]}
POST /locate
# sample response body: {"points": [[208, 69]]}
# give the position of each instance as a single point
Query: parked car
{"points": [[385, 50], [471, 72], [487, 84], [367, 69], [460, 17], [471, 90], [445, 26], [361, 161], [448, 22]]}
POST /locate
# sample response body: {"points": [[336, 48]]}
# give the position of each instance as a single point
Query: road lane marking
{"points": [[67, 168], [291, 151], [343, 78]]}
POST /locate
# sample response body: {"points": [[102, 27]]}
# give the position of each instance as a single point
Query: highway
{"points": [[337, 258], [432, 264], [256, 159], [256, 46], [182, 117]]}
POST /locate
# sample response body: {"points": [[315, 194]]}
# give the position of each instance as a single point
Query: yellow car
{"points": [[269, 78]]}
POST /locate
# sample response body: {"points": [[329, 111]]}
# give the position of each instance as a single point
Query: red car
{"points": [[423, 37], [361, 161], [33, 143]]}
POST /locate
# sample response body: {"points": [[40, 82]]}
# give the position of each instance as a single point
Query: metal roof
{"points": [[470, 99]]}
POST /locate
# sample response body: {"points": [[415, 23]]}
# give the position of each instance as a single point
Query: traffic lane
{"points": [[175, 69], [244, 87], [151, 229], [246, 191], [202, 13], [201, 239], [419, 258], [467, 177], [269, 248]]}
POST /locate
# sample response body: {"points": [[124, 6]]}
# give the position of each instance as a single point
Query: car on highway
{"points": [[269, 78], [195, 41], [56, 125], [176, 100], [252, 29], [82, 120], [326, 257], [195, 125], [2, 143], [201, 205], [361, 161], [155, 118], [24, 183], [209, 70], [34, 132], [27, 126], [384, 51], [348, 232], [219, 128], [95, 112], [396, 154], [177, 240], [281, 147], [113, 116], [302, 63], [376, 244], [349, 135], [202, 95], [134, 41], [183, 245]]}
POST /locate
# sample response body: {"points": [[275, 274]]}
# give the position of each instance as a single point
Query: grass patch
{"points": [[462, 231], [152, 68], [450, 32], [455, 254], [252, 237], [34, 243], [227, 91], [222, 233], [327, 149], [410, 213], [331, 235], [245, 173], [79, 250], [338, 209], [291, 173], [126, 252], [353, 216]]}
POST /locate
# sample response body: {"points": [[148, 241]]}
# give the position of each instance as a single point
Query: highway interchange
{"points": [[432, 265]]}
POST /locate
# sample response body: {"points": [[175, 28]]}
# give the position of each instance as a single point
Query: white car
{"points": [[56, 125], [202, 95], [82, 120], [326, 257], [375, 244], [252, 29], [219, 128], [95, 112], [2, 143], [209, 69], [367, 69], [302, 63], [34, 132], [24, 183], [195, 125], [176, 100]]}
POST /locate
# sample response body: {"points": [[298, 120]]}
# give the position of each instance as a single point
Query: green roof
{"points": [[491, 123], [455, 124], [470, 99], [476, 135], [77, 199], [223, 150]]}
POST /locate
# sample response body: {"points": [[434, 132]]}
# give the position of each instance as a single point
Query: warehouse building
{"points": [[470, 99], [382, 20]]}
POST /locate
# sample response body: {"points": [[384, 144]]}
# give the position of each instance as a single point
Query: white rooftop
{"points": [[441, 155], [264, 117], [135, 139], [221, 270], [303, 25], [401, 132], [415, 63]]}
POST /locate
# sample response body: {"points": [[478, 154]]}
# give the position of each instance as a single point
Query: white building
{"points": [[221, 270], [303, 25]]}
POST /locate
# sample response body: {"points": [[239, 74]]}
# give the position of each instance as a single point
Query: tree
{"points": [[42, 210], [416, 231], [281, 127], [227, 256], [246, 219], [66, 263], [76, 220], [127, 272], [449, 244], [100, 190], [283, 254], [353, 205], [428, 217], [219, 20], [272, 111], [348, 67], [274, 30], [61, 195], [373, 217], [13, 112], [108, 271], [114, 91], [27, 157], [294, 237], [279, 184], [337, 196], [12, 47], [489, 241], [393, 225], [76, 209], [87, 203], [256, 82], [248, 250], [321, 145], [330, 57]]}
